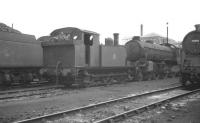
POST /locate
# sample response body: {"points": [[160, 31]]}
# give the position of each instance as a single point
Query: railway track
{"points": [[30, 89], [116, 109], [125, 115], [28, 92], [14, 86], [13, 94]]}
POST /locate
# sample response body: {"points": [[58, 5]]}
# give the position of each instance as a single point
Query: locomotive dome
{"points": [[191, 42]]}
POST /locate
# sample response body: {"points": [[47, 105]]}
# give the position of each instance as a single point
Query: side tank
{"points": [[136, 49]]}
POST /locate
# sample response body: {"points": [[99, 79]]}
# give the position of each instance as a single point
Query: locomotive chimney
{"points": [[136, 38], [197, 27], [116, 39]]}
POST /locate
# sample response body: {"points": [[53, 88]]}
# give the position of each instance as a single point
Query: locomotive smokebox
{"points": [[116, 39], [197, 27]]}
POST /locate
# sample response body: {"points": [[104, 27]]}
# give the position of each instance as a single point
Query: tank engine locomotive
{"points": [[75, 56], [190, 57]]}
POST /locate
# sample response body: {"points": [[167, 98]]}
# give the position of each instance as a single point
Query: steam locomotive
{"points": [[190, 57], [161, 57], [78, 58], [73, 56]]}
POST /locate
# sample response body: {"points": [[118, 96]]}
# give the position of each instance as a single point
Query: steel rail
{"points": [[26, 95], [127, 114], [29, 89], [28, 85], [63, 113], [19, 96]]}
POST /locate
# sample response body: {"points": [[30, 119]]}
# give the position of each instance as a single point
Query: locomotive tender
{"points": [[21, 58], [190, 57]]}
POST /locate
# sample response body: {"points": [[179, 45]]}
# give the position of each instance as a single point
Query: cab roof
{"points": [[71, 29]]}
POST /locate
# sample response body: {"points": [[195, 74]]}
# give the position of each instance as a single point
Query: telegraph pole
{"points": [[141, 30], [167, 32]]}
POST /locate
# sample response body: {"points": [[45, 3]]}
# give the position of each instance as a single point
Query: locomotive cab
{"points": [[70, 50], [88, 41]]}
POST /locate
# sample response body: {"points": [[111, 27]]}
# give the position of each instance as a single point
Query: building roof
{"points": [[157, 38], [152, 35]]}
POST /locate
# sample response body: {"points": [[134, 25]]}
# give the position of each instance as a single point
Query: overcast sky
{"points": [[40, 17]]}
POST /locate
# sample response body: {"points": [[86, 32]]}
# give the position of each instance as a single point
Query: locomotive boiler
{"points": [[190, 57], [141, 53], [137, 49]]}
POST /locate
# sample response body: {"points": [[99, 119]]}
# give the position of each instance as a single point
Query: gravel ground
{"points": [[31, 107], [101, 112], [186, 110]]}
